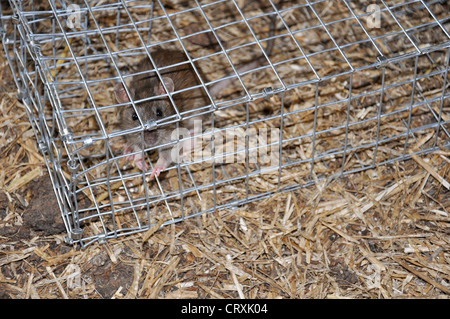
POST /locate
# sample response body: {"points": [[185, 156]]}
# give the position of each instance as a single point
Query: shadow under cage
{"points": [[292, 92]]}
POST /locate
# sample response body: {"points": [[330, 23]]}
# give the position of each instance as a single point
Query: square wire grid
{"points": [[347, 87]]}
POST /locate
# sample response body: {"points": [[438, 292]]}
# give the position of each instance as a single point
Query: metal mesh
{"points": [[347, 87]]}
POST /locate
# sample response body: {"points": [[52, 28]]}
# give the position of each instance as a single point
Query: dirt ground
{"points": [[379, 234]]}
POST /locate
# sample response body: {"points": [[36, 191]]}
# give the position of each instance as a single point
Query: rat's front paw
{"points": [[156, 171], [139, 161], [160, 166]]}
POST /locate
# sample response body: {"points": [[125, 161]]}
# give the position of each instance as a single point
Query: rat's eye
{"points": [[134, 116], [159, 113]]}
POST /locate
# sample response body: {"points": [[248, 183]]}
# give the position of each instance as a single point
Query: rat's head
{"points": [[149, 111]]}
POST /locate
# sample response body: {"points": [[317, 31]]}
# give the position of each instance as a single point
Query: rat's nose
{"points": [[150, 137], [150, 125]]}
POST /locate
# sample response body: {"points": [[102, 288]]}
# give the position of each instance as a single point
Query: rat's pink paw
{"points": [[156, 171], [160, 166], [139, 161], [127, 150]]}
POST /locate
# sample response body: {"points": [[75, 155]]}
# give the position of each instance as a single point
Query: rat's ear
{"points": [[168, 82], [121, 94]]}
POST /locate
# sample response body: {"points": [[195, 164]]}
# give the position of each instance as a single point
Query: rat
{"points": [[145, 85], [175, 78]]}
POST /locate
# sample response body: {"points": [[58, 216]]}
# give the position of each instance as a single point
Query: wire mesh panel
{"points": [[249, 98]]}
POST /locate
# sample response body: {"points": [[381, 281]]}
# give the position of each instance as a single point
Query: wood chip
{"points": [[431, 170]]}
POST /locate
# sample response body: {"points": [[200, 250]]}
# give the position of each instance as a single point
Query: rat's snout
{"points": [[150, 133], [150, 137]]}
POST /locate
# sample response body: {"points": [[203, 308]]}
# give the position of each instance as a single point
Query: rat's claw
{"points": [[156, 171], [127, 150], [140, 162]]}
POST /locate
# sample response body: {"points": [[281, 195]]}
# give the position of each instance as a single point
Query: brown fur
{"points": [[148, 85]]}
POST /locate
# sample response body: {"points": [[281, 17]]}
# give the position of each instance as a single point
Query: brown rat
{"points": [[175, 78], [147, 85]]}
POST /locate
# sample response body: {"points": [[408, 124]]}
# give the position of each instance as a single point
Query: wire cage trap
{"points": [[347, 86]]}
